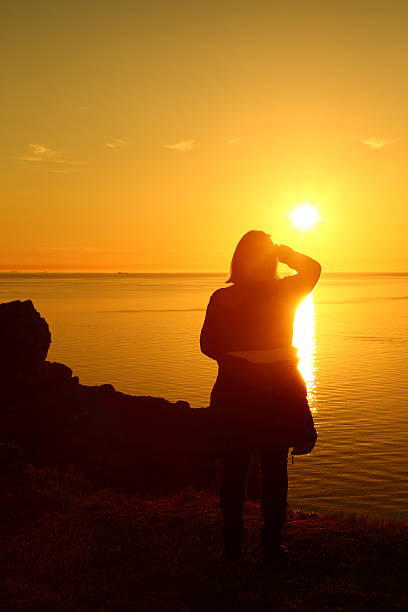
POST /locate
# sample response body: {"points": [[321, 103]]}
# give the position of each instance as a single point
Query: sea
{"points": [[140, 332]]}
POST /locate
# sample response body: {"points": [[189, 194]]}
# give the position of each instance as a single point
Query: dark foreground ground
{"points": [[68, 548]]}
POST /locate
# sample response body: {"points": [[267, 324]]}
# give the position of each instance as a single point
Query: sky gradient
{"points": [[150, 138]]}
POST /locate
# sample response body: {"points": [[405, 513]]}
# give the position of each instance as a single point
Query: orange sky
{"points": [[151, 138]]}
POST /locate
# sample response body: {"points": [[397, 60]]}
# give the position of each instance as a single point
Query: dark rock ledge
{"points": [[142, 444]]}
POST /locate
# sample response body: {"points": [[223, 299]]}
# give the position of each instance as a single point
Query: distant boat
{"points": [[123, 272]]}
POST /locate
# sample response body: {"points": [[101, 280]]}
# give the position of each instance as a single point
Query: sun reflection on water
{"points": [[304, 339]]}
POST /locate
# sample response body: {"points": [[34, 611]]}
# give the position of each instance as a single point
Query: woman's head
{"points": [[254, 259]]}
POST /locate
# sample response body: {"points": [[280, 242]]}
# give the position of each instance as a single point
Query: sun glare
{"points": [[304, 339], [304, 216]]}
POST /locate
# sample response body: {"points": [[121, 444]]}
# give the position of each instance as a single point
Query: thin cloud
{"points": [[40, 153], [373, 142], [115, 144], [184, 145], [39, 149], [377, 142], [233, 141]]}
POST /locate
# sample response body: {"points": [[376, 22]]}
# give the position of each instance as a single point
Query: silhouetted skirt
{"points": [[259, 406]]}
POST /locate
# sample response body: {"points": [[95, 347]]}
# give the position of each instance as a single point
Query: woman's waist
{"points": [[238, 370], [240, 378], [265, 356]]}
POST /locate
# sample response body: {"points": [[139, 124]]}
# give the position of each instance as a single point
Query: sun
{"points": [[304, 216]]}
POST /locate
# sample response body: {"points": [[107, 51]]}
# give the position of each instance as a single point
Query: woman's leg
{"points": [[274, 497], [232, 499]]}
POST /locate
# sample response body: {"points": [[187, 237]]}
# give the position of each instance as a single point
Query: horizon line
{"points": [[161, 272]]}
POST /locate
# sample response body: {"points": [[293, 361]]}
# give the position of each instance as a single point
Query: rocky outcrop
{"points": [[144, 444], [25, 340]]}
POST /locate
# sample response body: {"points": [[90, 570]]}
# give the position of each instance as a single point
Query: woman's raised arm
{"points": [[308, 269]]}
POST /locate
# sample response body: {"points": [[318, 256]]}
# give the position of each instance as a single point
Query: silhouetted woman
{"points": [[259, 400]]}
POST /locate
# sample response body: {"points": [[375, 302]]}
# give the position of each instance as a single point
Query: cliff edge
{"points": [[143, 444]]}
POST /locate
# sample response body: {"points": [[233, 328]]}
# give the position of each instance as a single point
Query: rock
{"points": [[142, 444], [24, 340]]}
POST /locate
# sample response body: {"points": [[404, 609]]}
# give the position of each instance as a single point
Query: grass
{"points": [[67, 547]]}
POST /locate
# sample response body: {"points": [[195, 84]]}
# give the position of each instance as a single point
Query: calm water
{"points": [[140, 332]]}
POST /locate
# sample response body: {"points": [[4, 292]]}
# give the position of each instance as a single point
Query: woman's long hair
{"points": [[254, 259]]}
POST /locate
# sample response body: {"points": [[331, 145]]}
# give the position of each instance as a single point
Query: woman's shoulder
{"points": [[222, 292], [224, 295]]}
